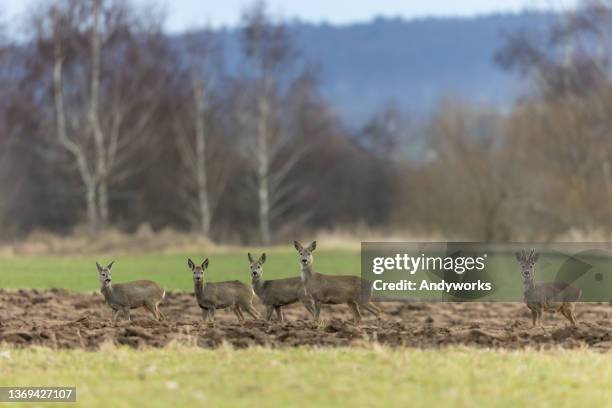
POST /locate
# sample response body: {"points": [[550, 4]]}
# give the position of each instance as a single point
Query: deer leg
{"points": [[211, 314], [279, 313], [536, 314], [239, 308], [534, 318], [317, 310], [372, 308], [238, 313], [115, 312], [571, 317], [540, 313], [572, 314], [307, 302], [563, 311], [568, 312], [151, 308], [126, 313], [160, 315], [269, 310], [251, 310], [356, 314]]}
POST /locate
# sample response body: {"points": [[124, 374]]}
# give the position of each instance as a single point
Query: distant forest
{"points": [[412, 63]]}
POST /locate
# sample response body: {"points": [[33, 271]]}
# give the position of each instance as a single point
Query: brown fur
{"points": [[277, 293], [122, 297], [541, 296], [327, 289], [219, 295]]}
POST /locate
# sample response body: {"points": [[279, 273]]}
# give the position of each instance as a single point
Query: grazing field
{"points": [[422, 354], [79, 273], [74, 317], [62, 319], [187, 376], [170, 271]]}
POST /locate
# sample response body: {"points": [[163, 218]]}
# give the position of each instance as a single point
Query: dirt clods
{"points": [[62, 319]]}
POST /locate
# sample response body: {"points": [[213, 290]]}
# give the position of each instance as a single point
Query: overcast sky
{"points": [[183, 14]]}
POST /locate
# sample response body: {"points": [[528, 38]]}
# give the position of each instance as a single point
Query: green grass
{"points": [[182, 375], [170, 271], [186, 376]]}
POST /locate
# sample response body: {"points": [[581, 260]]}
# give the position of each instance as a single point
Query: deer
{"points": [[331, 290], [277, 293], [540, 296], [122, 297], [220, 295]]}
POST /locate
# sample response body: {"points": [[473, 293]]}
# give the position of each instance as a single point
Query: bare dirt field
{"points": [[58, 318]]}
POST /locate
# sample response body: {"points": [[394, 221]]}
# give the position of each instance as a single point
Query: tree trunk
{"points": [[92, 212], [103, 204], [204, 207], [101, 170], [263, 164], [62, 133]]}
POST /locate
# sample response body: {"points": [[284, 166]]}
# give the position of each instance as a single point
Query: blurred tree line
{"points": [[540, 170], [107, 121]]}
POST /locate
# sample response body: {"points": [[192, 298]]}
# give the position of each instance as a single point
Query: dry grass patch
{"points": [[365, 376]]}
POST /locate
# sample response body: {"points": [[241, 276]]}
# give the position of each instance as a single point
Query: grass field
{"points": [[170, 271], [79, 273], [185, 376]]}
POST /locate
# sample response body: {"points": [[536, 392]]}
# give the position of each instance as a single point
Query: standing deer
{"points": [[279, 292], [122, 297], [540, 296], [219, 295], [331, 290]]}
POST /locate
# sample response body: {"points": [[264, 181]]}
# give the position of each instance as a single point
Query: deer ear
{"points": [[110, 265], [99, 267], [518, 256], [250, 257], [205, 264], [262, 258], [535, 258], [298, 246], [190, 263], [313, 246]]}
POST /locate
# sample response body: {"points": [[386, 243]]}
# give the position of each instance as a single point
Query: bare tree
{"points": [[572, 57], [101, 112], [269, 50], [471, 171], [202, 64], [564, 127], [88, 175]]}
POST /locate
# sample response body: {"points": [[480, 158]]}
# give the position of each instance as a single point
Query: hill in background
{"points": [[412, 63]]}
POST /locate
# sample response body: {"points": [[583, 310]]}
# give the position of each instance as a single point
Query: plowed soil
{"points": [[61, 319]]}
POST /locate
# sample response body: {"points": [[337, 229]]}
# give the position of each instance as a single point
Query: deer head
{"points": [[198, 270], [527, 262]]}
